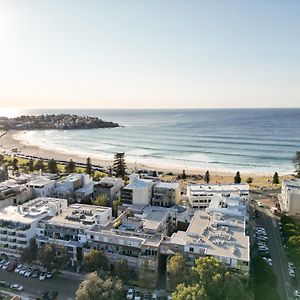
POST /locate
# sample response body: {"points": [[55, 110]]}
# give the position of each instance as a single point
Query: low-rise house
{"points": [[166, 194], [138, 191], [109, 186], [289, 199], [18, 224], [200, 195]]}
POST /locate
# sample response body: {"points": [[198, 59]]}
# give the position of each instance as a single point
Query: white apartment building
{"points": [[18, 224], [41, 187], [200, 195], [138, 191], [289, 198], [69, 227], [218, 231]]}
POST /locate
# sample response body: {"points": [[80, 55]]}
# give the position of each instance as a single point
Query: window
{"points": [[191, 249]]}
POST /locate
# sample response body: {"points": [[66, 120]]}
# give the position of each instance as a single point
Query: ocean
{"points": [[249, 140]]}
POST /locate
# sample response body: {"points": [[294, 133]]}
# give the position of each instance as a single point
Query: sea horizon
{"points": [[248, 140]]}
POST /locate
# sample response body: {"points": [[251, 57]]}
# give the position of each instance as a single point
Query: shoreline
{"points": [[9, 140]]}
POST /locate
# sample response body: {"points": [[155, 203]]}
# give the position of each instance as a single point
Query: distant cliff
{"points": [[60, 121]]}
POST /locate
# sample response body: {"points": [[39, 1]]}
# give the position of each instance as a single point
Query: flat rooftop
{"points": [[79, 215], [217, 235], [167, 185], [29, 211], [217, 187], [40, 182]]}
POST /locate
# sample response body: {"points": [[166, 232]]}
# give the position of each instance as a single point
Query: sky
{"points": [[149, 54]]}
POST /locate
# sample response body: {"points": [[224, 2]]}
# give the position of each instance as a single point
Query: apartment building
{"points": [[289, 199], [109, 186], [12, 193], [218, 231], [69, 227], [18, 224], [200, 195], [166, 194], [135, 237], [41, 187], [138, 191]]}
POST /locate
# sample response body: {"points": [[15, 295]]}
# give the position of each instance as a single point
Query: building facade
{"points": [[289, 199], [166, 194]]}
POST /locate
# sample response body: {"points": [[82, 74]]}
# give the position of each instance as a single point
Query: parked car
{"points": [[49, 275], [130, 294], [169, 297], [154, 296], [35, 273], [4, 283], [28, 272], [137, 295], [5, 265], [17, 287], [18, 268], [291, 265], [146, 297], [296, 293], [42, 276], [23, 270], [260, 204], [291, 273]]}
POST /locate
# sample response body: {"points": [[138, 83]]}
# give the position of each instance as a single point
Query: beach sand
{"points": [[9, 141]]}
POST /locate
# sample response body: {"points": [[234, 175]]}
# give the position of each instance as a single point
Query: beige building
{"points": [[289, 198]]}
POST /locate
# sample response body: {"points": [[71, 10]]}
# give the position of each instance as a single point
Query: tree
{"points": [[249, 180], [119, 165], [30, 165], [121, 269], [52, 166], [207, 177], [115, 205], [53, 257], [39, 165], [101, 200], [88, 169], [177, 270], [296, 162], [29, 254], [275, 178], [70, 166], [94, 288], [183, 176], [237, 178], [15, 164], [54, 295], [95, 260], [188, 292]]}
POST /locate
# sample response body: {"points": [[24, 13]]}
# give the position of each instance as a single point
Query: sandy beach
{"points": [[9, 141]]}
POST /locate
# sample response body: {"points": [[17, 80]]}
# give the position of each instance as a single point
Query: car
{"points": [[170, 297], [137, 295], [23, 270], [28, 272], [291, 265], [43, 276], [291, 273], [18, 268], [296, 293], [4, 283], [5, 265], [154, 296], [130, 294], [35, 273], [260, 204], [17, 287], [49, 275], [146, 297], [268, 260]]}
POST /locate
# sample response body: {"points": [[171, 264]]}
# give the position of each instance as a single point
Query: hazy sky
{"points": [[139, 54]]}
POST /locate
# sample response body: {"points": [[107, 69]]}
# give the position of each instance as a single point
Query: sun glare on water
{"points": [[9, 112]]}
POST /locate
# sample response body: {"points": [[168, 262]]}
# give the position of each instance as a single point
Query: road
{"points": [[65, 286], [280, 263]]}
